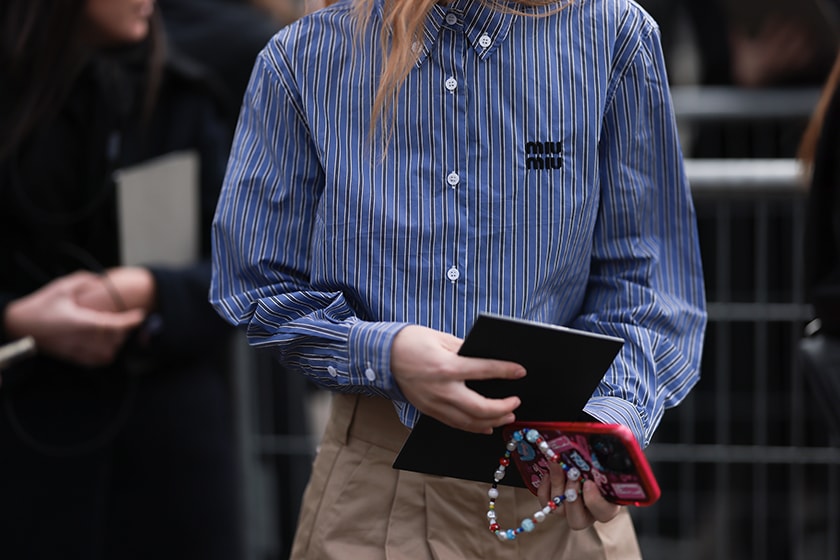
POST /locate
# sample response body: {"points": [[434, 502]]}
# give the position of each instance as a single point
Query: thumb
{"points": [[115, 320]]}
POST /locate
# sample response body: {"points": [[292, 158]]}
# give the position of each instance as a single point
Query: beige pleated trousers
{"points": [[358, 507]]}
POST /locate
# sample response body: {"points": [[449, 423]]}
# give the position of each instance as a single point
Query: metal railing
{"points": [[746, 467]]}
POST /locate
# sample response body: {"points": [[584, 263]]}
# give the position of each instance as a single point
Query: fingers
{"points": [[99, 337], [477, 413], [458, 419], [480, 407], [577, 511], [556, 485], [599, 507], [67, 330], [466, 410], [584, 503], [108, 323], [76, 281], [474, 412], [432, 376], [470, 369]]}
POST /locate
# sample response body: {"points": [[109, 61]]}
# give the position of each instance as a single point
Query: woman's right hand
{"points": [[65, 328], [432, 376]]}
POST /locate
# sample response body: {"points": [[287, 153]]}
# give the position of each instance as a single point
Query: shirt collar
{"points": [[485, 28]]}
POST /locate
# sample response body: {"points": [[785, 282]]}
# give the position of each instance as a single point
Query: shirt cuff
{"points": [[369, 353], [613, 410]]}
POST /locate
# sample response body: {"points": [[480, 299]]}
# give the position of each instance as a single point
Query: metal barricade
{"points": [[747, 469]]}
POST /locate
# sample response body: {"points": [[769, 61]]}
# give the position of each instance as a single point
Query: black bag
{"points": [[819, 359]]}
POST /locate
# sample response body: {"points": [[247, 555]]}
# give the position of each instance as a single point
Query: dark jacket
{"points": [[58, 214], [223, 35], [822, 235]]}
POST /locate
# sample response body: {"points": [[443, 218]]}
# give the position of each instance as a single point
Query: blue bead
{"points": [[527, 525], [511, 534], [517, 435], [532, 436]]}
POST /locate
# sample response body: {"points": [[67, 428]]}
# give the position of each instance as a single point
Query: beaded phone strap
{"points": [[529, 523]]}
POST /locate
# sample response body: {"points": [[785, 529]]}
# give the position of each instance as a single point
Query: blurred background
{"points": [[748, 466]]}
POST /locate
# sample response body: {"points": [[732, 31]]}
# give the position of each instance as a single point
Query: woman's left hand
{"points": [[590, 505]]}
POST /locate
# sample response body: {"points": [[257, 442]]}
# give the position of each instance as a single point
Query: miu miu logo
{"points": [[543, 155]]}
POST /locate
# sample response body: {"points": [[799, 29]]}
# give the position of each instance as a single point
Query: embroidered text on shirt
{"points": [[544, 155]]}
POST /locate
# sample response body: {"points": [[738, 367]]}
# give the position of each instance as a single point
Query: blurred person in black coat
{"points": [[116, 440], [820, 150], [225, 36]]}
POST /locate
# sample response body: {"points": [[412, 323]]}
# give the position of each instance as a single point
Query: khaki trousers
{"points": [[358, 507]]}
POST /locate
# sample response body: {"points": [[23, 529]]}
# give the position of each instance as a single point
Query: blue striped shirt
{"points": [[534, 171]]}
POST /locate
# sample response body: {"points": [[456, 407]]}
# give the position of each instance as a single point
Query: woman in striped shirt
{"points": [[400, 167]]}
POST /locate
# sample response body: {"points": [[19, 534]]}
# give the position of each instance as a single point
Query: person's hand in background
{"points": [[781, 48], [121, 289], [66, 327]]}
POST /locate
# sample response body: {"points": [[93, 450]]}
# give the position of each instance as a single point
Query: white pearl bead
{"points": [[539, 517], [571, 495], [493, 493], [573, 474], [491, 514]]}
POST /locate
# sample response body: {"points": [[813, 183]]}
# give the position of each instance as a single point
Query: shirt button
{"points": [[451, 19], [370, 374], [453, 274], [485, 41], [451, 84], [453, 179], [332, 371]]}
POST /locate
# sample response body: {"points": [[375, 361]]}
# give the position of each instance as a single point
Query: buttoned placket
{"points": [[453, 178]]}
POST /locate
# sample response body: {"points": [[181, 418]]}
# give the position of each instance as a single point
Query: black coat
{"points": [[58, 214], [223, 35], [822, 235]]}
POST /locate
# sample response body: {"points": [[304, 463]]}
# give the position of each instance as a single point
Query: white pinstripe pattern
{"points": [[323, 253]]}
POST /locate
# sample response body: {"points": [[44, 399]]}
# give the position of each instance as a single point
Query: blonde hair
{"points": [[404, 20]]}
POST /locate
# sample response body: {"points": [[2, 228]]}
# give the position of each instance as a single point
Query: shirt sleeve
{"points": [[646, 283], [262, 234]]}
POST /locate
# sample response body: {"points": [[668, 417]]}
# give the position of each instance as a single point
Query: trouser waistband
{"points": [[370, 419]]}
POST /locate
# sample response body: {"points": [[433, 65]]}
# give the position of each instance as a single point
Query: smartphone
{"points": [[607, 454]]}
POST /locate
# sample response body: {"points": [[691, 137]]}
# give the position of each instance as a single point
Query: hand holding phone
{"points": [[607, 454]]}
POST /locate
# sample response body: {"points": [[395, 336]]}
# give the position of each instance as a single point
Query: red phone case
{"points": [[607, 454]]}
